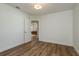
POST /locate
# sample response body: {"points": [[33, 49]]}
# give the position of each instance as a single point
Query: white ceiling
{"points": [[47, 7]]}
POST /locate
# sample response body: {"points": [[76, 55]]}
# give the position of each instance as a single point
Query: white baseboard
{"points": [[70, 44], [77, 50]]}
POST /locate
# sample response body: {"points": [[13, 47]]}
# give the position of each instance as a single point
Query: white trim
{"points": [[77, 50]]}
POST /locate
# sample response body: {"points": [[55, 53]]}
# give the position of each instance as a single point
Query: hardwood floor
{"points": [[39, 48]]}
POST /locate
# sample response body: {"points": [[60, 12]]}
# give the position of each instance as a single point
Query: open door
{"points": [[27, 30], [34, 30]]}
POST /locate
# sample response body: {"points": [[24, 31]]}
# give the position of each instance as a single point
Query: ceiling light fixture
{"points": [[37, 6]]}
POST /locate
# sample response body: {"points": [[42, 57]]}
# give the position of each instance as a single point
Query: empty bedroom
{"points": [[39, 29]]}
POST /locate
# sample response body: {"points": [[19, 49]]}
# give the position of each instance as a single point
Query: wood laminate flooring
{"points": [[39, 48]]}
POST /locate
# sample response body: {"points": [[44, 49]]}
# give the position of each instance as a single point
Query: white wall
{"points": [[57, 28], [76, 27], [34, 17], [11, 27]]}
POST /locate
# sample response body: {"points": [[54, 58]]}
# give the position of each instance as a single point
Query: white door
{"points": [[27, 29]]}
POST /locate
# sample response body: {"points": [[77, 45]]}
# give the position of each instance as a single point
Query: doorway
{"points": [[35, 30]]}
